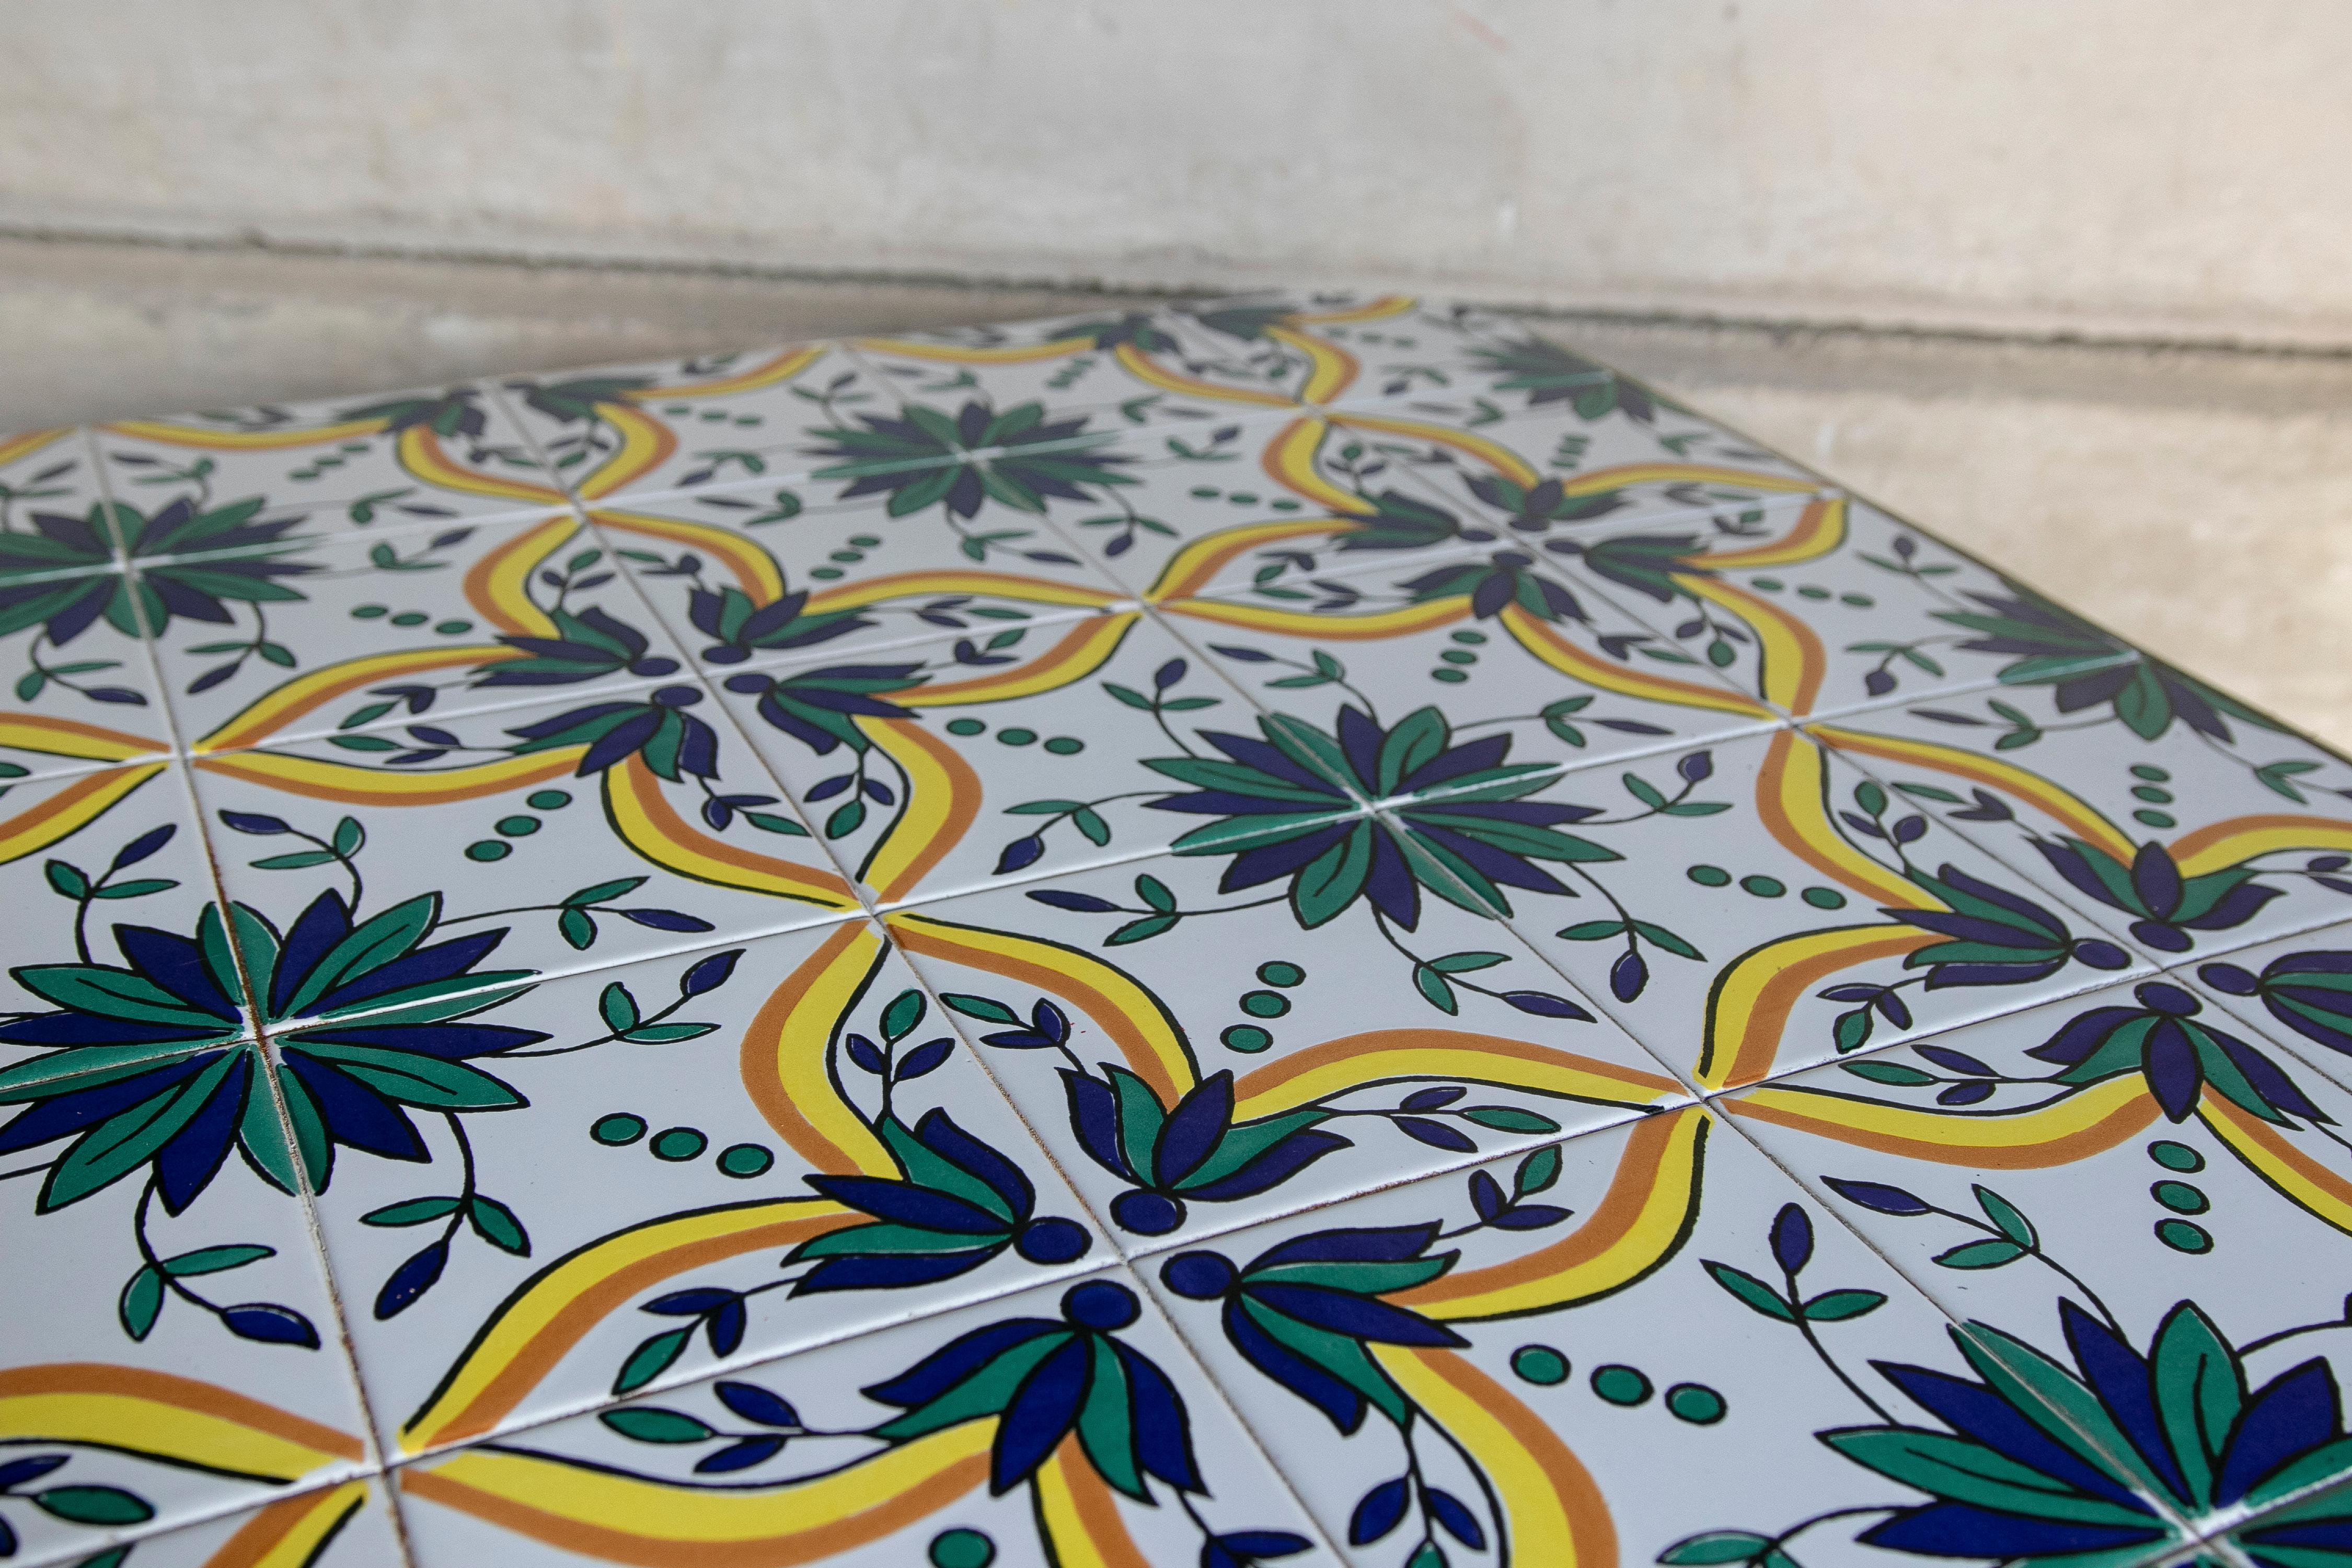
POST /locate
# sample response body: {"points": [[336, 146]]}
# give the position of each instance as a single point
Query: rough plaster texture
{"points": [[2193, 501], [2164, 167]]}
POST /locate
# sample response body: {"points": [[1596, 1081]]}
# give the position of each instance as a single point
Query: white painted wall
{"points": [[2165, 166]]}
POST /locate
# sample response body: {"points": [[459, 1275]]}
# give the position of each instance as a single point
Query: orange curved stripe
{"points": [[1623, 475], [100, 1381], [2077, 1128], [1819, 529], [1402, 621], [782, 1057], [289, 1532], [1080, 1517], [1330, 369], [2219, 845], [1378, 308], [1389, 1054], [24, 442], [2311, 1187], [1754, 994], [1626, 1210], [1195, 565], [960, 354], [646, 822], [1494, 454], [319, 779], [645, 444], [164, 432], [66, 811], [556, 1329], [943, 798], [1150, 371], [1554, 1513], [1792, 799], [421, 454], [498, 585], [1288, 459], [994, 585], [1541, 639], [787, 363], [72, 737], [270, 712], [1790, 660], [2077, 816], [1077, 654], [1169, 1078], [646, 1543], [753, 569]]}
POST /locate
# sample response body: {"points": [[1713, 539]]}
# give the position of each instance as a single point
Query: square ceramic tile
{"points": [[2129, 1182], [2188, 818], [1199, 1052], [1064, 1425], [346, 1524], [1825, 605], [588, 831], [1645, 1340], [385, 462], [624, 1179], [1760, 905], [742, 578], [942, 766], [612, 433], [345, 633]]}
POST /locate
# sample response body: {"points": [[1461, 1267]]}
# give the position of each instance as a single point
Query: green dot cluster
{"points": [[1241, 498], [1453, 663], [1623, 1386], [1763, 887], [1017, 735], [849, 555], [517, 826], [2180, 1197], [449, 629], [2151, 789], [1813, 591], [678, 1145], [1249, 1038]]}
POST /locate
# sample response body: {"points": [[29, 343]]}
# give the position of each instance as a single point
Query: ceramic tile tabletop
{"points": [[1307, 929]]}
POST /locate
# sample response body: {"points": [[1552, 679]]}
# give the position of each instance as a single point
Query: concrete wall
{"points": [[2159, 168]]}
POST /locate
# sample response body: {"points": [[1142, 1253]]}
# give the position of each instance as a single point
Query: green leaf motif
{"points": [[1837, 1306], [93, 1505], [1986, 1254], [496, 1224], [649, 1360], [416, 1210], [618, 1008], [142, 1300], [906, 1011], [645, 1423], [1713, 1547], [1537, 1173], [980, 1007], [1509, 1118], [1434, 990], [2007, 1218], [1751, 1290], [215, 1259]]}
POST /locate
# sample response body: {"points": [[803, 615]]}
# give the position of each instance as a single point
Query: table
{"points": [[1308, 929]]}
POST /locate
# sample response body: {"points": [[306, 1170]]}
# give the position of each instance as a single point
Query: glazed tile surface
{"points": [[1299, 929]]}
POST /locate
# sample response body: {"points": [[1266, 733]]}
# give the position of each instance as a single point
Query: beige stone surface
{"points": [[2198, 502], [2170, 166]]}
